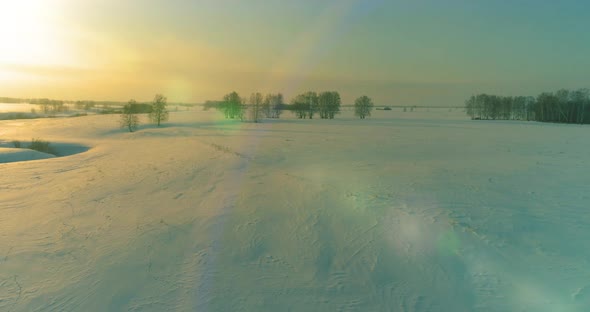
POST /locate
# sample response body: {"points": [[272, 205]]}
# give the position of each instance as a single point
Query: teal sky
{"points": [[397, 52]]}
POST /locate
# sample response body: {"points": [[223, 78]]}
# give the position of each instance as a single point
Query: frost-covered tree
{"points": [[159, 111], [363, 106], [129, 118]]}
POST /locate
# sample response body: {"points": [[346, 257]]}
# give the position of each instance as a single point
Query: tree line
{"points": [[562, 106], [305, 105], [233, 106], [157, 112]]}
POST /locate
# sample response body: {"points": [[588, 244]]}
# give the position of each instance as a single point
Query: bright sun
{"points": [[28, 33]]}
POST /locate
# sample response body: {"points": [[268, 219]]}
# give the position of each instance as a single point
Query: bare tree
{"points": [[232, 106], [272, 106], [363, 106], [129, 118], [277, 106], [45, 108], [329, 104], [311, 99], [299, 106], [256, 101], [267, 105], [159, 112], [563, 106]]}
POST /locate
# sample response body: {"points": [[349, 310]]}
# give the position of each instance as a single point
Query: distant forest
{"points": [[563, 106], [78, 104]]}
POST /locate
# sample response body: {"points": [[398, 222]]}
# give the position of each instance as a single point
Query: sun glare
{"points": [[28, 33]]}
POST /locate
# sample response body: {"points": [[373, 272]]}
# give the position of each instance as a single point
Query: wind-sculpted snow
{"points": [[400, 212]]}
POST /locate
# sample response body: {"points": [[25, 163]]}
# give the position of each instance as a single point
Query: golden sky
{"points": [[397, 52]]}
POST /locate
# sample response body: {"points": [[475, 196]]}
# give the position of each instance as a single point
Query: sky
{"points": [[413, 52]]}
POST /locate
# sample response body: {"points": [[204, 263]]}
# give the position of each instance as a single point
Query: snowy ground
{"points": [[401, 212]]}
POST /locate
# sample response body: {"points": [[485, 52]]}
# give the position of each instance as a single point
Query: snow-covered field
{"points": [[415, 211]]}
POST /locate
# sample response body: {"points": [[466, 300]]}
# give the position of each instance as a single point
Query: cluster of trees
{"points": [[329, 104], [563, 106], [47, 105], [80, 104], [306, 105], [212, 104], [326, 104], [46, 101], [10, 100], [88, 105], [30, 101], [157, 112], [273, 105], [484, 106], [53, 107], [85, 105], [363, 107], [233, 106]]}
